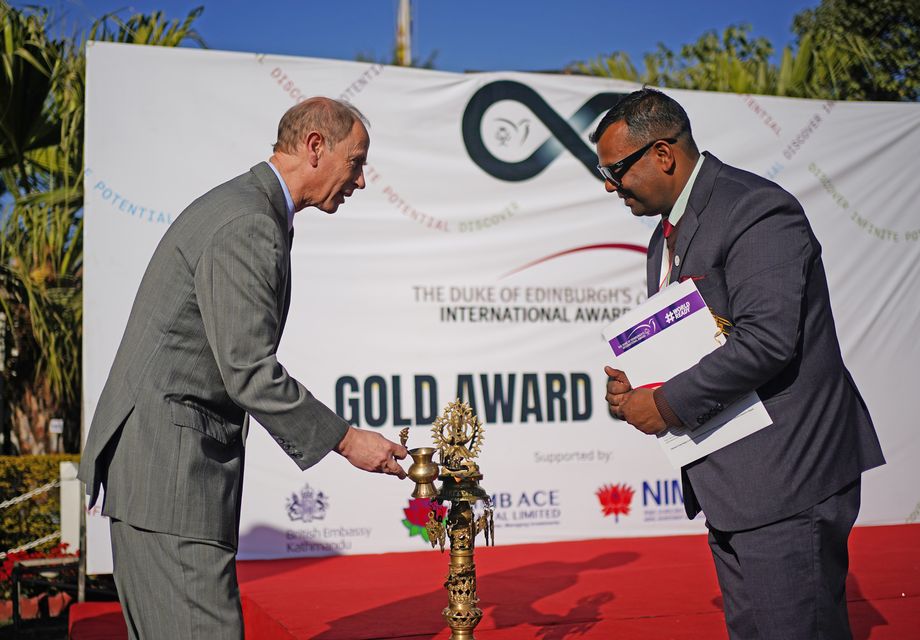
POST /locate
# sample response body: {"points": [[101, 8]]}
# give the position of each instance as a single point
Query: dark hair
{"points": [[332, 118], [649, 115]]}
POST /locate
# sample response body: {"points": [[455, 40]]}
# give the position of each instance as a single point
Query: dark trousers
{"points": [[174, 587], [787, 580]]}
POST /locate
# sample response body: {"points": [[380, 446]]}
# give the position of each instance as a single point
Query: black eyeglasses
{"points": [[613, 173]]}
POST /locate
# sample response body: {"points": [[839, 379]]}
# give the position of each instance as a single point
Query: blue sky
{"points": [[478, 35]]}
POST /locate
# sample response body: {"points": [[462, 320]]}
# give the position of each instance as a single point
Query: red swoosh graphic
{"points": [[590, 247]]}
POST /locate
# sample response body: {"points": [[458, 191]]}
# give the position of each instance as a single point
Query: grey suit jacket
{"points": [[749, 247], [197, 356]]}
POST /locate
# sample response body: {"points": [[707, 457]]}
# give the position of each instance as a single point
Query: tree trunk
{"points": [[29, 420]]}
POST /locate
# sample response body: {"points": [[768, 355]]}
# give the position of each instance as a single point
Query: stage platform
{"points": [[623, 588]]}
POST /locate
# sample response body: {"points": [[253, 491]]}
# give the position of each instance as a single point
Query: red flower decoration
{"points": [[417, 515], [6, 566], [615, 499]]}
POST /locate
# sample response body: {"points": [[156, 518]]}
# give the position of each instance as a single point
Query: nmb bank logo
{"points": [[661, 500], [512, 134], [531, 508]]}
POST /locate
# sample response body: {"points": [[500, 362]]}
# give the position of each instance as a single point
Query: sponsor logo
{"points": [[514, 131], [662, 500], [308, 505], [534, 508], [615, 499], [417, 515], [323, 541]]}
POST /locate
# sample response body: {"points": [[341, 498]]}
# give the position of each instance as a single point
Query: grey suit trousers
{"points": [[787, 580], [175, 587]]}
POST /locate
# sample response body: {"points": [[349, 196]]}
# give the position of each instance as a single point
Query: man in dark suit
{"points": [[196, 360], [780, 503]]}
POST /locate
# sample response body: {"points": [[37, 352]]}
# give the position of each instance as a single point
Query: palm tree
{"points": [[818, 68], [41, 223]]}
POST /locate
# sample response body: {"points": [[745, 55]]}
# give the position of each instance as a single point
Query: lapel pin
{"points": [[676, 261]]}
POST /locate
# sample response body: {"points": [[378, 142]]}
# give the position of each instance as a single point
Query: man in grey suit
{"points": [[197, 358], [780, 503]]}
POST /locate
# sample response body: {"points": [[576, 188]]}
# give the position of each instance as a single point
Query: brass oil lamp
{"points": [[457, 435]]}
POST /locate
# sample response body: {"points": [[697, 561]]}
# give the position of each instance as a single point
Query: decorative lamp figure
{"points": [[457, 435]]}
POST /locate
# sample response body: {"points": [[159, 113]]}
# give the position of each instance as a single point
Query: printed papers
{"points": [[666, 335]]}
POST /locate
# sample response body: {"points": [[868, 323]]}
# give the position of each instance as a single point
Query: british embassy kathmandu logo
{"points": [[308, 506]]}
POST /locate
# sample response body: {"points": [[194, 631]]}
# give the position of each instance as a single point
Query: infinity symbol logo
{"points": [[566, 134]]}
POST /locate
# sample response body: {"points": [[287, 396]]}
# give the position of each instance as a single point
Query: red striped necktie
{"points": [[667, 228], [670, 239]]}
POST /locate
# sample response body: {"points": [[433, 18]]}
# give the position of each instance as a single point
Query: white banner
{"points": [[482, 261]]}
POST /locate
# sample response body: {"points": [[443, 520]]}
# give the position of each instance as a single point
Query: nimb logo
{"points": [[307, 506], [615, 499]]}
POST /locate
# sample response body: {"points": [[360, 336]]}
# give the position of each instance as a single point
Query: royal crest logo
{"points": [[615, 499], [308, 506]]}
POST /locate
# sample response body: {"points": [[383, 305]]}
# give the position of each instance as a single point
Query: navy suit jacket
{"points": [[750, 249]]}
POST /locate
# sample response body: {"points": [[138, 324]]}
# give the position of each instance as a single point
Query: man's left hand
{"points": [[639, 410]]}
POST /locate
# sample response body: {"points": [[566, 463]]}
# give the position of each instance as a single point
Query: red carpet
{"points": [[648, 588]]}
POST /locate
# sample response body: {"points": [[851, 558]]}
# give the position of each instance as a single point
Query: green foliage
{"points": [[41, 249], [889, 30], [42, 82], [153, 29], [40, 515], [844, 51]]}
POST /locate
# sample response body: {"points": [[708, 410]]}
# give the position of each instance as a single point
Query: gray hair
{"points": [[334, 119]]}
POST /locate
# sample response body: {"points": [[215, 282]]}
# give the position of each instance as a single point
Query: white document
{"points": [[666, 335]]}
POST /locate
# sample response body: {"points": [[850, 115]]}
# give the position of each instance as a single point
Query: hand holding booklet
{"points": [[666, 335]]}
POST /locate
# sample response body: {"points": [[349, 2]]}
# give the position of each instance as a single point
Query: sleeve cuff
{"points": [[667, 414]]}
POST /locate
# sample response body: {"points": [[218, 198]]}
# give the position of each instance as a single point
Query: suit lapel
{"points": [[696, 205], [268, 183], [653, 261], [287, 286], [689, 223]]}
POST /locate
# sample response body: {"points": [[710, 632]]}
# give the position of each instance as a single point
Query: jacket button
{"points": [[700, 419]]}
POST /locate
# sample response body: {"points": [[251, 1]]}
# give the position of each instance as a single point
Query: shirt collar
{"points": [[288, 200], [677, 211]]}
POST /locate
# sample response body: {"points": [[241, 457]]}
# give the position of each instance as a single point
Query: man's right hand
{"points": [[617, 385], [370, 451]]}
